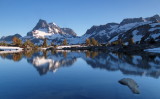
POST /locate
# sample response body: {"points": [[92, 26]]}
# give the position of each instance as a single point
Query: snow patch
{"points": [[114, 39], [153, 29], [155, 35], [154, 24], [8, 48], [136, 37]]}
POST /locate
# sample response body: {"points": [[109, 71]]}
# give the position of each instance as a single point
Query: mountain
{"points": [[140, 29], [51, 31], [44, 30], [101, 33], [9, 38]]}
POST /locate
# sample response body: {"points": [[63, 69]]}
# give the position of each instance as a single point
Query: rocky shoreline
{"points": [[135, 48]]}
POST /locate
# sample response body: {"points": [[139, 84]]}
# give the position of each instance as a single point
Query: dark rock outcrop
{"points": [[131, 84]]}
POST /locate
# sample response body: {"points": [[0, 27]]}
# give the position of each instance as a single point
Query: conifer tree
{"points": [[64, 42], [131, 41], [45, 43], [94, 42], [88, 42], [16, 41]]}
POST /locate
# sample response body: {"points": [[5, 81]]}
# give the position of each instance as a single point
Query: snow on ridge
{"points": [[40, 34], [154, 24], [54, 24], [127, 27], [101, 33], [153, 29], [43, 30], [133, 25], [135, 36], [56, 30], [155, 35], [114, 38]]}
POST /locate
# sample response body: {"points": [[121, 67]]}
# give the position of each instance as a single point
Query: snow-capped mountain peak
{"points": [[49, 30]]}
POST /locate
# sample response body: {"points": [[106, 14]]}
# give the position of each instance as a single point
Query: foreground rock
{"points": [[131, 84]]}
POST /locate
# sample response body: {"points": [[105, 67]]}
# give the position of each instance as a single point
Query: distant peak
{"points": [[52, 23], [131, 20], [155, 18], [41, 24], [41, 20], [156, 15]]}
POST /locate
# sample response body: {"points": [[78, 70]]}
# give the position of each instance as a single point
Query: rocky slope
{"points": [[137, 28]]}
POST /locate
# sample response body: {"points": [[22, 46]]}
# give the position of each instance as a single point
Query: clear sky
{"points": [[20, 16]]}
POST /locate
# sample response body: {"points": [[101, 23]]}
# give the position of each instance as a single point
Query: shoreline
{"points": [[110, 48]]}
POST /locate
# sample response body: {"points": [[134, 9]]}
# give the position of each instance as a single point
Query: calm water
{"points": [[78, 75]]}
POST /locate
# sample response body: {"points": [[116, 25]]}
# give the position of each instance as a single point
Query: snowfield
{"points": [[8, 48], [136, 37]]}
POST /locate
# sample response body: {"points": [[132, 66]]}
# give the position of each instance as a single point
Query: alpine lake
{"points": [[79, 75]]}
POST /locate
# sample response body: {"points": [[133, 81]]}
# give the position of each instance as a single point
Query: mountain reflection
{"points": [[144, 64]]}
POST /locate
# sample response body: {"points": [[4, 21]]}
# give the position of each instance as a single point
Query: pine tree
{"points": [[131, 41], [88, 42], [52, 44], [45, 43], [16, 41], [28, 43], [120, 41], [94, 42], [64, 42]]}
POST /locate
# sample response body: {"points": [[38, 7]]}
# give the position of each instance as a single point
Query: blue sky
{"points": [[20, 16]]}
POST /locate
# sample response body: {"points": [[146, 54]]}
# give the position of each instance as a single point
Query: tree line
{"points": [[89, 42]]}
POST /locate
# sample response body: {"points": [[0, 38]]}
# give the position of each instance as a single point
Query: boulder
{"points": [[131, 84]]}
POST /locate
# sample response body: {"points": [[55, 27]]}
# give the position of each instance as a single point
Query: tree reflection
{"points": [[65, 54], [17, 56], [91, 54], [147, 64], [28, 53]]}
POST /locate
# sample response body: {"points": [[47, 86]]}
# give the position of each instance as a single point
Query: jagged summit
{"points": [[45, 30], [41, 24]]}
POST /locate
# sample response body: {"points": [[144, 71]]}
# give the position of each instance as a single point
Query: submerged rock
{"points": [[131, 84]]}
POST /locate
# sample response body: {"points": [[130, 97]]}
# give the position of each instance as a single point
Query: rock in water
{"points": [[131, 84]]}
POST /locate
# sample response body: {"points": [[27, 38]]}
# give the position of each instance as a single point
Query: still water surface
{"points": [[78, 75]]}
